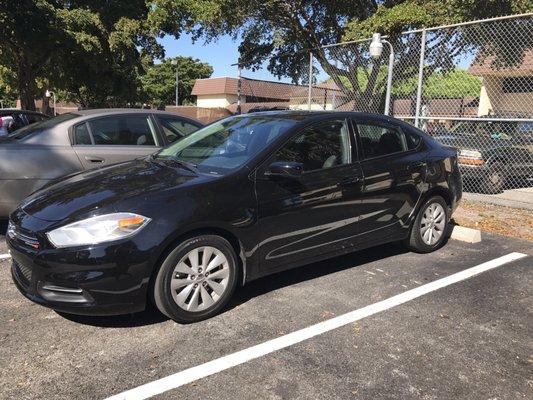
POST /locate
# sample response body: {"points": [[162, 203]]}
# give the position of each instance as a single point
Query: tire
{"points": [[188, 291], [494, 181], [418, 236]]}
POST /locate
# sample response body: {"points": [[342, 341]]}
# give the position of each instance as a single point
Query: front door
{"points": [[115, 138], [315, 213]]}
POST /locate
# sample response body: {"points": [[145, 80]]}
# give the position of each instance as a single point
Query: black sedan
{"points": [[235, 201]]}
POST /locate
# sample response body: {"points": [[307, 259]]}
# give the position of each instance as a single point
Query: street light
{"points": [[49, 94], [376, 49], [175, 63]]}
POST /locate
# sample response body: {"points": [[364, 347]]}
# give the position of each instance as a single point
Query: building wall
{"points": [[216, 100], [493, 100]]}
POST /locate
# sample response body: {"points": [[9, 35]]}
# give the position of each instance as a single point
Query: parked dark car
{"points": [[37, 154], [237, 200], [13, 119], [493, 155]]}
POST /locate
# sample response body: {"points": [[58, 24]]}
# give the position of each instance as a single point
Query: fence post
{"points": [[310, 81], [239, 85], [420, 78]]}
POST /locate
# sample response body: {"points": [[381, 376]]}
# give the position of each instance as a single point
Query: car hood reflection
{"points": [[107, 187]]}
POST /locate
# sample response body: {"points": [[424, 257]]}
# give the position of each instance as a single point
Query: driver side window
{"points": [[322, 145]]}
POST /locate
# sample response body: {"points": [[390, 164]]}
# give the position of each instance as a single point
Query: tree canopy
{"points": [[281, 33], [158, 84]]}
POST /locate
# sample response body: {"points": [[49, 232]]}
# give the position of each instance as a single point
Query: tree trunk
{"points": [[26, 84]]}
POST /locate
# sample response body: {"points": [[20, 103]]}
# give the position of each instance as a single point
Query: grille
{"points": [[23, 273]]}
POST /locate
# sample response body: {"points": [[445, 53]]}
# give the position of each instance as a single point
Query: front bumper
{"points": [[106, 279], [474, 172]]}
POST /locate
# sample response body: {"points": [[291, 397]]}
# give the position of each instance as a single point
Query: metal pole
{"points": [[54, 94], [310, 80], [177, 81], [420, 78], [389, 78], [239, 85]]}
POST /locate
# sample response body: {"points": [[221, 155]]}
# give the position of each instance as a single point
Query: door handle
{"points": [[350, 181], [94, 160]]}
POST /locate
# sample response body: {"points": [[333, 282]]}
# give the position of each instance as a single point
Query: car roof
{"points": [[314, 113], [8, 111], [110, 111]]}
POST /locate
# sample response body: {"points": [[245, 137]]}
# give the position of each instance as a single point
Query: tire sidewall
{"points": [[416, 243], [162, 296], [489, 186]]}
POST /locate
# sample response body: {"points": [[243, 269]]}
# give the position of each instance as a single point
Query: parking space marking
{"points": [[5, 256], [231, 360]]}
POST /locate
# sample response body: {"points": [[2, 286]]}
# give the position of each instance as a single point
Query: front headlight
{"points": [[103, 228]]}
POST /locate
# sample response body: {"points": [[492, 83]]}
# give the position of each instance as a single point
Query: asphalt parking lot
{"points": [[469, 340]]}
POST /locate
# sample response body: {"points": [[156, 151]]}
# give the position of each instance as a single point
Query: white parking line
{"points": [[5, 256], [220, 364]]}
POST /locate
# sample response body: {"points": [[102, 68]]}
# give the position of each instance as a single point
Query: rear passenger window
{"points": [[123, 130], [380, 140], [81, 134], [175, 128]]}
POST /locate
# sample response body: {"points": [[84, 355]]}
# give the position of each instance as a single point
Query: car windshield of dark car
{"points": [[228, 144], [41, 126]]}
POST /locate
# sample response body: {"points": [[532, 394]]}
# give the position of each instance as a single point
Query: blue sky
{"points": [[220, 55]]}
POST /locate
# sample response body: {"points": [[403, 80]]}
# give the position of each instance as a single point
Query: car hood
{"points": [[105, 189]]}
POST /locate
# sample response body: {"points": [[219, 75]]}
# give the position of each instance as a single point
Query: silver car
{"points": [[32, 156]]}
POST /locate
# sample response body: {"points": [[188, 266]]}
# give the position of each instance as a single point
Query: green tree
{"points": [[91, 51], [8, 91], [158, 84], [282, 32]]}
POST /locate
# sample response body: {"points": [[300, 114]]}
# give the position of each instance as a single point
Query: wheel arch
{"points": [[224, 233]]}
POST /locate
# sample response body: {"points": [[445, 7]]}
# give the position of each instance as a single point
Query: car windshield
{"points": [[228, 144], [38, 127]]}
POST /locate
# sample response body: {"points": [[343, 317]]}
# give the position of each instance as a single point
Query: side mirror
{"points": [[287, 169]]}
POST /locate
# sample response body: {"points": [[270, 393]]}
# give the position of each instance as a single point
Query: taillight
{"points": [[1, 122]]}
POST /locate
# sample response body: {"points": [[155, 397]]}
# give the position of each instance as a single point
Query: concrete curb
{"points": [[467, 235]]}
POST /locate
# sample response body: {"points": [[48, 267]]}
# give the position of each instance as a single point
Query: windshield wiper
{"points": [[184, 164]]}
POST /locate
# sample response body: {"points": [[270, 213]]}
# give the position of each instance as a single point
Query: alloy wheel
{"points": [[200, 279], [433, 224]]}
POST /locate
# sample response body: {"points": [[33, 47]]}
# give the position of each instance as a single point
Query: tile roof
{"points": [[486, 65]]}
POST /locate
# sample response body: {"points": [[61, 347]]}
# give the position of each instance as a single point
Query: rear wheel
{"points": [[430, 227], [197, 279]]}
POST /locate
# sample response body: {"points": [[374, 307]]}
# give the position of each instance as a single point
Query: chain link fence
{"points": [[469, 85]]}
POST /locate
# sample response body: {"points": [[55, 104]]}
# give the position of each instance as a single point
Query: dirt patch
{"points": [[506, 221]]}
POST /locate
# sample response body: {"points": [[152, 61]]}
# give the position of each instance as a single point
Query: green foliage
{"points": [[282, 32], [8, 91], [90, 51], [158, 84]]}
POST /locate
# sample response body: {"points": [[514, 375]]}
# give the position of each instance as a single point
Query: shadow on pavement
{"points": [[256, 288], [150, 316], [313, 271]]}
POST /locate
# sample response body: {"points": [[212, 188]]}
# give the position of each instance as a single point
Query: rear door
{"points": [[115, 138], [393, 165]]}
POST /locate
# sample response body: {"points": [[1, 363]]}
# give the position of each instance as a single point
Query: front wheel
{"points": [[430, 227], [495, 180], [197, 279]]}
